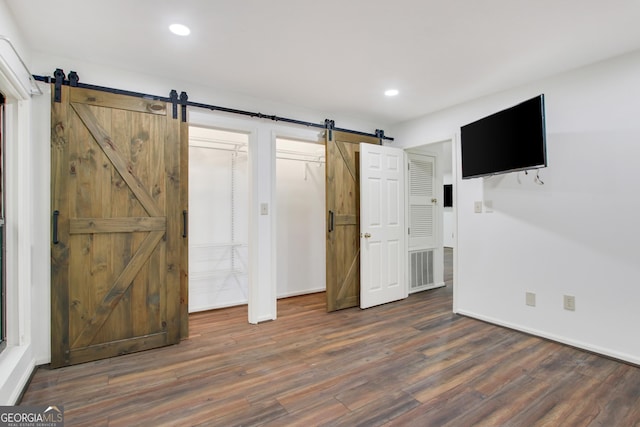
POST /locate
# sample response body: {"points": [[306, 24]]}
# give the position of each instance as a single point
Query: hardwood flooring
{"points": [[409, 363]]}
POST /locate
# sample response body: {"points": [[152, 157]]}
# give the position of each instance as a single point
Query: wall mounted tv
{"points": [[509, 140]]}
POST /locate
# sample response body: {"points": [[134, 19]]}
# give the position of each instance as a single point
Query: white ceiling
{"points": [[339, 56]]}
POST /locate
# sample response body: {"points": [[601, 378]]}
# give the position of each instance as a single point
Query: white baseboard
{"points": [[298, 293], [17, 365], [560, 339]]}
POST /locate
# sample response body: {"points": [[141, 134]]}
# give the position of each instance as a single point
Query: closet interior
{"points": [[300, 217], [219, 221]]}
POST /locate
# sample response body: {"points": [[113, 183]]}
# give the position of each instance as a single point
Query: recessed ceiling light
{"points": [[391, 92], [179, 29]]}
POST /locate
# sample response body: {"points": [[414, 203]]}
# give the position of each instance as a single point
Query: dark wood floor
{"points": [[409, 363]]}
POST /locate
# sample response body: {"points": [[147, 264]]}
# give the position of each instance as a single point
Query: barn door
{"points": [[117, 235], [343, 218]]}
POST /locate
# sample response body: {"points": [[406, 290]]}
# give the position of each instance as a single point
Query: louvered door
{"points": [[422, 202]]}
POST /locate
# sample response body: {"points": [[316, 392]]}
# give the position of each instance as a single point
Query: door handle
{"points": [[185, 223], [330, 221], [367, 235], [55, 227], [434, 201]]}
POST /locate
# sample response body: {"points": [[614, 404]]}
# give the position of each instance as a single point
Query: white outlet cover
{"points": [[530, 299], [477, 207], [488, 206]]}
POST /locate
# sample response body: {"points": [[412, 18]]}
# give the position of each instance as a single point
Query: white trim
{"points": [[454, 181], [11, 85], [253, 160], [24, 137], [25, 75], [298, 293], [273, 256], [557, 338]]}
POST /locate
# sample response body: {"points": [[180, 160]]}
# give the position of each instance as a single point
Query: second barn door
{"points": [[118, 228], [343, 218]]}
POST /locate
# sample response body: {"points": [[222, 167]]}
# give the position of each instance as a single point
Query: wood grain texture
{"points": [[184, 249], [60, 176], [124, 168], [343, 200], [407, 363], [111, 100], [93, 324], [116, 183], [116, 225]]}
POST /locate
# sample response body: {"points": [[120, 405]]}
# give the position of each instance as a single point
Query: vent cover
{"points": [[421, 270]]}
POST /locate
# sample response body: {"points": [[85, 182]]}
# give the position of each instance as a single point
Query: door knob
{"points": [[367, 235]]}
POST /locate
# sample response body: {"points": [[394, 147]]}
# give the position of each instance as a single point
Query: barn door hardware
{"points": [[329, 125], [55, 227], [173, 98], [183, 102], [59, 80], [380, 135], [73, 79]]}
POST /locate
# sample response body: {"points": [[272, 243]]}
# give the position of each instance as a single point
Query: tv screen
{"points": [[448, 195], [509, 140]]}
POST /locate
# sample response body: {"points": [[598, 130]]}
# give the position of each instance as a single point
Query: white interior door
{"points": [[382, 225], [424, 216]]}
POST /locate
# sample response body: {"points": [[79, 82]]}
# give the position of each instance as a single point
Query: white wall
{"points": [[575, 235]]}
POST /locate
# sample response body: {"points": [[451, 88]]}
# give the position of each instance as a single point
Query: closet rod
{"points": [[321, 162], [231, 150], [184, 102]]}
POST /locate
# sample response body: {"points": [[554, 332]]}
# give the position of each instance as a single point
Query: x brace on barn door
{"points": [[183, 100]]}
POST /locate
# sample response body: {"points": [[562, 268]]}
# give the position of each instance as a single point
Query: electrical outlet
{"points": [[570, 302], [264, 209], [488, 206], [530, 299], [477, 207]]}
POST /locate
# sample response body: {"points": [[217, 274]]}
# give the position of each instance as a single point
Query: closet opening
{"points": [[300, 217], [218, 218]]}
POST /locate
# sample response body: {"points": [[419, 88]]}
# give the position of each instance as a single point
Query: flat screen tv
{"points": [[448, 196], [509, 140]]}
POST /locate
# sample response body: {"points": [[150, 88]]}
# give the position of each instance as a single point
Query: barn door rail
{"points": [[183, 101]]}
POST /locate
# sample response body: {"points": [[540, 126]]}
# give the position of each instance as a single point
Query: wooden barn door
{"points": [[117, 226], [343, 218]]}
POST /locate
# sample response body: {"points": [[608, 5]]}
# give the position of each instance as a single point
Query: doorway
{"points": [[432, 255], [300, 219], [218, 218]]}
